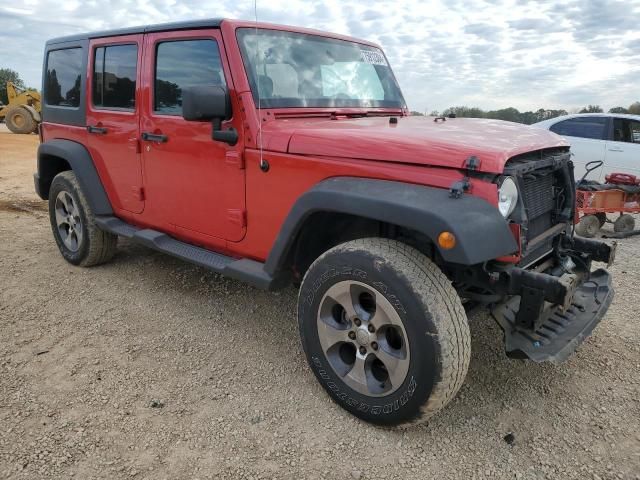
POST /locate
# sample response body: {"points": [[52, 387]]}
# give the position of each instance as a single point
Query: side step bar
{"points": [[246, 270]]}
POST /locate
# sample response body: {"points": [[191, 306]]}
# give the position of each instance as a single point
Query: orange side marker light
{"points": [[446, 240]]}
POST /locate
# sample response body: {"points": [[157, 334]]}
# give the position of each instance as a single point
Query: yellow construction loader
{"points": [[22, 114]]}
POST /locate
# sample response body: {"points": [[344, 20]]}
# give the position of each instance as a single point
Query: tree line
{"points": [[514, 115], [8, 75]]}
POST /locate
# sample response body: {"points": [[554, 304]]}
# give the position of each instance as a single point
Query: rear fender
{"points": [[79, 160]]}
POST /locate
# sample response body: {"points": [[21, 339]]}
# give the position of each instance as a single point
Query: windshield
{"points": [[288, 69]]}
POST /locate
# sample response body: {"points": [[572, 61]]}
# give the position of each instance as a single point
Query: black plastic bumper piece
{"points": [[596, 250], [563, 330]]}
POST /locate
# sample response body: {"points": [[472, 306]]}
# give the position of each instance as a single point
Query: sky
{"points": [[489, 54]]}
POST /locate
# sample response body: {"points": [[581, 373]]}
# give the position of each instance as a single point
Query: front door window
{"points": [[180, 64]]}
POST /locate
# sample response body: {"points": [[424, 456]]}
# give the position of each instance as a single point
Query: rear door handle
{"points": [[616, 150], [154, 137], [98, 130]]}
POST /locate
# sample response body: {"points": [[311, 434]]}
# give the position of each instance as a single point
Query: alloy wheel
{"points": [[363, 338], [68, 221]]}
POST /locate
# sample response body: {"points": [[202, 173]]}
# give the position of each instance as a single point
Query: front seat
{"points": [[265, 86], [618, 135]]}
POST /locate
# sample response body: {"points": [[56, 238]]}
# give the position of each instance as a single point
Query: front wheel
{"points": [[384, 331]]}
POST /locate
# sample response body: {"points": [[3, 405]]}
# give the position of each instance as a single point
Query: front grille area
{"points": [[538, 194], [541, 177], [539, 201], [539, 225]]}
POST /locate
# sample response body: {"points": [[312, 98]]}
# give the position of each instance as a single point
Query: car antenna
{"points": [[264, 165]]}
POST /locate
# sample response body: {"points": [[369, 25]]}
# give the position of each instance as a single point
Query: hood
{"points": [[413, 140]]}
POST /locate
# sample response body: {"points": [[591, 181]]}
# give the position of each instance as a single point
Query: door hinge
{"points": [[235, 158], [237, 216]]}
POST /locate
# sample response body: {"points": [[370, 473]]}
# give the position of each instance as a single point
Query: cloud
{"points": [[538, 25], [482, 30], [492, 54], [632, 48]]}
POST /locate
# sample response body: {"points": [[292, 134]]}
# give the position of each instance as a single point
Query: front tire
{"points": [[384, 331], [79, 240]]}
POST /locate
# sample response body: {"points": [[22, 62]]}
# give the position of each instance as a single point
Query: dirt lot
{"points": [[152, 368]]}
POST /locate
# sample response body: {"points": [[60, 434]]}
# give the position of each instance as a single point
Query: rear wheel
{"points": [[588, 226], [19, 120], [625, 223], [384, 331], [79, 240]]}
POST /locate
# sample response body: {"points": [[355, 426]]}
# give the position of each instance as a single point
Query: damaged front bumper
{"points": [[548, 315]]}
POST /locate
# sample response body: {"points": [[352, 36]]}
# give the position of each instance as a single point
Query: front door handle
{"points": [[98, 130], [615, 149], [154, 137]]}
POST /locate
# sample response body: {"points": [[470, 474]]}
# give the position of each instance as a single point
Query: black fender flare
{"points": [[481, 232], [80, 161]]}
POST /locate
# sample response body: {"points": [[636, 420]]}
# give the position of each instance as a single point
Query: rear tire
{"points": [[384, 331], [79, 240], [588, 226], [19, 120], [625, 223]]}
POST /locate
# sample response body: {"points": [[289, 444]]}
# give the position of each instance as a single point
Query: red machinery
{"points": [[620, 194]]}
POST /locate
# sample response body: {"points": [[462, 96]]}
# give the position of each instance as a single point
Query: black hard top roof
{"points": [[160, 27]]}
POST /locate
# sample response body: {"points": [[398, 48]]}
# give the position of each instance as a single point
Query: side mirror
{"points": [[209, 102], [205, 102]]}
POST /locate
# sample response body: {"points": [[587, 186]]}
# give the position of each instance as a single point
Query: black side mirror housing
{"points": [[206, 102], [209, 103]]}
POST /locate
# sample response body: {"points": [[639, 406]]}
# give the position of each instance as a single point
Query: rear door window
{"points": [[184, 63], [63, 78], [626, 130], [583, 127], [114, 77]]}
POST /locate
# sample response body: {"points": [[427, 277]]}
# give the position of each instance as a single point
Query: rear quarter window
{"points": [[63, 78]]}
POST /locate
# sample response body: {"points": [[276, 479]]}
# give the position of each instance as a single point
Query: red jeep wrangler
{"points": [[277, 155]]}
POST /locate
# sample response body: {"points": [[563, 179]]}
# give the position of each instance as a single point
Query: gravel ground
{"points": [[152, 368]]}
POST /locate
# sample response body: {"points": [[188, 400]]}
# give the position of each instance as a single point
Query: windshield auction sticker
{"points": [[374, 58]]}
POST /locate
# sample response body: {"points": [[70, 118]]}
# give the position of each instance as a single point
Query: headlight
{"points": [[507, 196]]}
